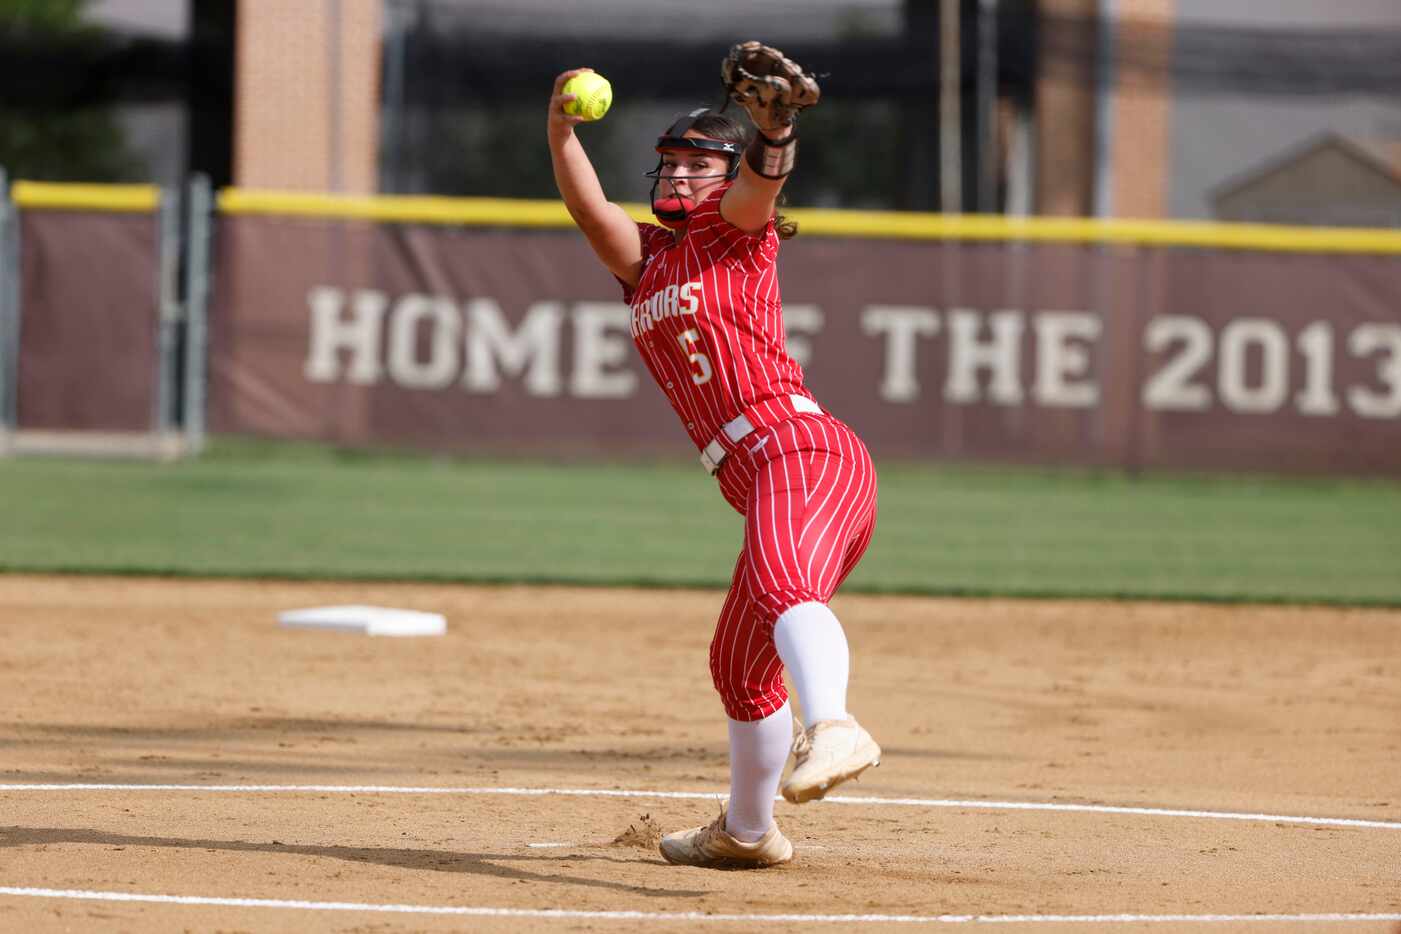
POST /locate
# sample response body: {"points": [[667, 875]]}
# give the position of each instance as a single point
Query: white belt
{"points": [[739, 428]]}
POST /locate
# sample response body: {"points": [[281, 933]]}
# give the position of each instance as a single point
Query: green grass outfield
{"points": [[294, 511]]}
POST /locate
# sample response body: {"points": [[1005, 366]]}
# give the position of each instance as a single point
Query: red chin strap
{"points": [[672, 212]]}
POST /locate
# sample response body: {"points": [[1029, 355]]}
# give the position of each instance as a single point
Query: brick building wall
{"points": [[1139, 141], [1108, 155], [1065, 108], [306, 107]]}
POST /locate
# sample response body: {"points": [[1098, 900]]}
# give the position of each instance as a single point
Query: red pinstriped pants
{"points": [[807, 490]]}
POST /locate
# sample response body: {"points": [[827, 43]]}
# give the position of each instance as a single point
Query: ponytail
{"points": [[786, 227]]}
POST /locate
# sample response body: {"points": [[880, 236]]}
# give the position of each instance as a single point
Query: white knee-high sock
{"points": [[813, 648], [758, 752]]}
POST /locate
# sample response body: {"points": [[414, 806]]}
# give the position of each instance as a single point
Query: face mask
{"points": [[672, 212]]}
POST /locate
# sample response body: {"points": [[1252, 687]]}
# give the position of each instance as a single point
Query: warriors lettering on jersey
{"points": [[670, 302], [707, 319]]}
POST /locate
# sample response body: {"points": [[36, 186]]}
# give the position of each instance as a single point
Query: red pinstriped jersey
{"points": [[708, 320]]}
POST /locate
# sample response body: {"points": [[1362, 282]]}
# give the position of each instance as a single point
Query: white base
{"points": [[368, 620]]}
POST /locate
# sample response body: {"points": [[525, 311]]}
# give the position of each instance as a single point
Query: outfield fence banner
{"points": [[95, 327], [88, 331], [9, 310], [1040, 345], [476, 340]]}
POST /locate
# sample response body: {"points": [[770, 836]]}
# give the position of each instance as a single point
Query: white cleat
{"points": [[711, 847], [828, 753]]}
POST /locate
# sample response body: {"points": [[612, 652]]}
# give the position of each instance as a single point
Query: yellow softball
{"points": [[595, 95]]}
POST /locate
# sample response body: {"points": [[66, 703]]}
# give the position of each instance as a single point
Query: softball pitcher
{"points": [[708, 321]]}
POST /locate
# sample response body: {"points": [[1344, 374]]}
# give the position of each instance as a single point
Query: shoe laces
{"points": [[710, 830], [802, 744]]}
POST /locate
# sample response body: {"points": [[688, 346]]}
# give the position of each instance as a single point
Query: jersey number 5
{"points": [[700, 363]]}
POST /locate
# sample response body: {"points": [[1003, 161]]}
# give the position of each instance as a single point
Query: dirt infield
{"points": [[1255, 712]]}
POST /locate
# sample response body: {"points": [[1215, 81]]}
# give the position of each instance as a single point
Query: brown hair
{"points": [[714, 125]]}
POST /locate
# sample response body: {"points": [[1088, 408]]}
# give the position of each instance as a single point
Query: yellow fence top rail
{"points": [[70, 197], [413, 209], [506, 212]]}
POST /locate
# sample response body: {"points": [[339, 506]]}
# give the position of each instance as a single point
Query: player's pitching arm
{"points": [[610, 231]]}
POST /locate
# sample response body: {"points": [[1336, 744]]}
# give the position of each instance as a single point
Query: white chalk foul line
{"points": [[679, 915], [714, 796]]}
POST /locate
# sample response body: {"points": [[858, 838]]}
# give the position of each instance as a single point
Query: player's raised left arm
{"points": [[751, 199], [773, 89]]}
